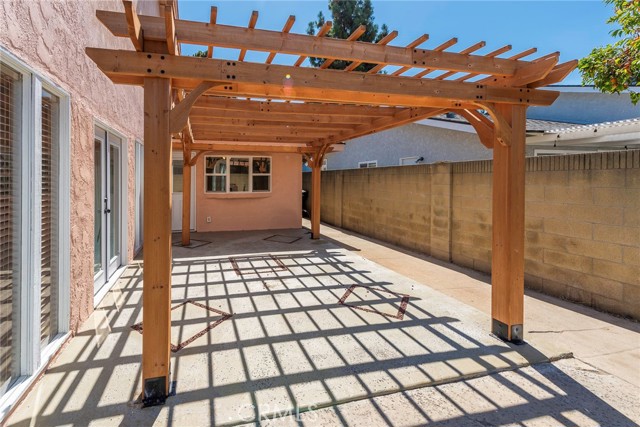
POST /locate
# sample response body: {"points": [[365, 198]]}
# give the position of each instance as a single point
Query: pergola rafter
{"points": [[230, 105], [199, 33]]}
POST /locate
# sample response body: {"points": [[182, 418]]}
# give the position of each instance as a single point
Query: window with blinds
{"points": [[48, 261], [10, 129], [34, 222]]}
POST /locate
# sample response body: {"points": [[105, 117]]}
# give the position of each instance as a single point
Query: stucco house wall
{"points": [[585, 105], [388, 147], [50, 37], [278, 209]]}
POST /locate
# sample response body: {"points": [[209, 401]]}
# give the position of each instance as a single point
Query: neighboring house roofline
{"points": [[458, 123], [584, 89], [543, 132], [621, 133]]}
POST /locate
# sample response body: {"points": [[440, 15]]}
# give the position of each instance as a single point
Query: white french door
{"points": [[107, 206]]}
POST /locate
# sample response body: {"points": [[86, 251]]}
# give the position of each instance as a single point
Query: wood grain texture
{"points": [[507, 278], [156, 295], [296, 83]]}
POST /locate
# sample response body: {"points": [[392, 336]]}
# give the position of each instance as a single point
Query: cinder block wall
{"points": [[471, 215], [391, 204], [582, 219]]}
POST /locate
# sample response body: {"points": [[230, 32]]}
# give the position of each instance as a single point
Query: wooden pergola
{"points": [[199, 105]]}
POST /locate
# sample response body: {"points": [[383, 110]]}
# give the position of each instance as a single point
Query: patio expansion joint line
{"points": [[193, 245], [436, 383], [279, 238], [568, 330]]}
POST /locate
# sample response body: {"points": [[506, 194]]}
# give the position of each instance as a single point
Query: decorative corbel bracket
{"points": [[195, 158], [317, 156], [502, 129], [483, 126], [180, 112]]}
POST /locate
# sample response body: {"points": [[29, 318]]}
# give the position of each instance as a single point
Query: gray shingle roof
{"points": [[533, 125], [595, 126]]}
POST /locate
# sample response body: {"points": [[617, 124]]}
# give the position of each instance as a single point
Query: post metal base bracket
{"points": [[155, 392], [501, 330]]}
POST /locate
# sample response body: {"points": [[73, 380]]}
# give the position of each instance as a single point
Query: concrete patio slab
{"points": [[289, 343], [610, 343], [545, 395]]}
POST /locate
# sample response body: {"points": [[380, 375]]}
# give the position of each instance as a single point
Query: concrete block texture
{"points": [[582, 222]]}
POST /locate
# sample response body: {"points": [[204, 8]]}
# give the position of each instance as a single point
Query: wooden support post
{"points": [[156, 295], [507, 267], [186, 202], [315, 199]]}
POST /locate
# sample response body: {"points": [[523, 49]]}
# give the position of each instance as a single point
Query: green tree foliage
{"points": [[200, 54], [616, 67], [346, 16]]}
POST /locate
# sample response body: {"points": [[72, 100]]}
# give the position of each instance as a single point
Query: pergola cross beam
{"points": [[287, 82]]}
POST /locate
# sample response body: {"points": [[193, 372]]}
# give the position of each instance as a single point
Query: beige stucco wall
{"points": [[582, 219], [50, 37], [281, 208]]}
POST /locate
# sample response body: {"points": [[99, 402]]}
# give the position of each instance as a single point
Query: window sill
{"points": [[237, 195]]}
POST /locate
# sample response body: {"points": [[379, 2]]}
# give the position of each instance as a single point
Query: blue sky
{"points": [[573, 28]]}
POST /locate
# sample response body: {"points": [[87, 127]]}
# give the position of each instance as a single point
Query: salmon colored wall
{"points": [[281, 208], [50, 37]]}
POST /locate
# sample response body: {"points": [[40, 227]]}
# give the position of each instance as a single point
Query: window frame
{"points": [[214, 174], [368, 164], [252, 174], [227, 174], [410, 158], [32, 355]]}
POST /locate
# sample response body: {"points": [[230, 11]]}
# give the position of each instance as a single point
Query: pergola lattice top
{"points": [[240, 100], [235, 105]]}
